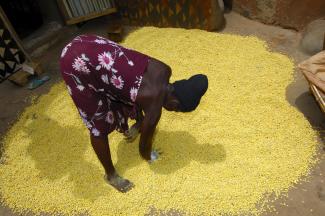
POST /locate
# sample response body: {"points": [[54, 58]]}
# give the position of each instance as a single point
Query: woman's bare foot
{"points": [[119, 183]]}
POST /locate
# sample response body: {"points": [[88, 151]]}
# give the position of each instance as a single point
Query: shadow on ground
{"points": [[308, 106], [179, 148], [57, 158]]}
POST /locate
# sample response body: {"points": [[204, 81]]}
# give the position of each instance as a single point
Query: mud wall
{"points": [[295, 14]]}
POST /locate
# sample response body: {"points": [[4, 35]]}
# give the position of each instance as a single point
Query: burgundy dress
{"points": [[103, 79]]}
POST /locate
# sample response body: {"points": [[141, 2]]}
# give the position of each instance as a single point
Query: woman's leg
{"points": [[101, 147]]}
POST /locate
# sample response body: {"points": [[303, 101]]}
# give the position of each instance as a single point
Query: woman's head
{"points": [[185, 95]]}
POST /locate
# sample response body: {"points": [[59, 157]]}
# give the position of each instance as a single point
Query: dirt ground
{"points": [[308, 198]]}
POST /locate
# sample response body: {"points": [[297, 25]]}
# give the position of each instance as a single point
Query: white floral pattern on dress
{"points": [[105, 79], [109, 64], [138, 80], [80, 87], [130, 63], [65, 50], [110, 117], [69, 90], [77, 81], [117, 81], [82, 113], [101, 41], [121, 118], [79, 64], [133, 93], [87, 123], [84, 57], [93, 88], [105, 60], [95, 131]]}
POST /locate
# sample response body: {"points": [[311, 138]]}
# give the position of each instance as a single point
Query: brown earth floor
{"points": [[308, 198]]}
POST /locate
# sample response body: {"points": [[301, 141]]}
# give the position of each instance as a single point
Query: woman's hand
{"points": [[132, 133], [155, 154]]}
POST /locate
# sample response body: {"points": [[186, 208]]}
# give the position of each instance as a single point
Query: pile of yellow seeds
{"points": [[243, 144]]}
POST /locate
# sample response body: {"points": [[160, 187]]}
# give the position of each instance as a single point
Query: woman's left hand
{"points": [[132, 133]]}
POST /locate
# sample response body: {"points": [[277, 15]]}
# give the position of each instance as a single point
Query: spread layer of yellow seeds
{"points": [[243, 145]]}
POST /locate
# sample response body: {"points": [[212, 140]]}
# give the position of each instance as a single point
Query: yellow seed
{"points": [[242, 145]]}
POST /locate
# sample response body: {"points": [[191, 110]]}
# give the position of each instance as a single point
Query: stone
{"points": [[19, 78], [313, 37], [221, 5], [321, 194]]}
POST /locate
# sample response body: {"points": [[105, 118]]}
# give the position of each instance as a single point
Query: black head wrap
{"points": [[189, 92]]}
